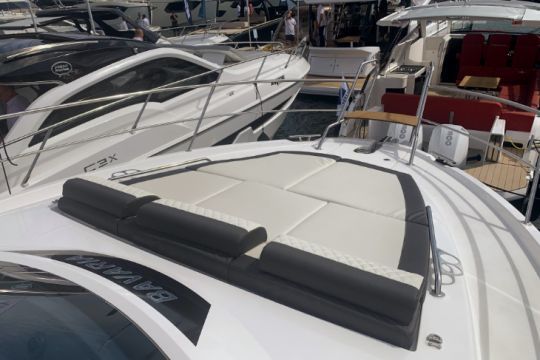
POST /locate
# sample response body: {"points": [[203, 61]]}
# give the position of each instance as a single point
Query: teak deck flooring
{"points": [[333, 84], [507, 174]]}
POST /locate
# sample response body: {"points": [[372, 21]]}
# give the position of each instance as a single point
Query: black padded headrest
{"points": [[118, 200], [386, 296], [207, 228]]}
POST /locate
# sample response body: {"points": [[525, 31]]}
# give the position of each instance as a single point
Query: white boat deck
{"points": [[491, 309]]}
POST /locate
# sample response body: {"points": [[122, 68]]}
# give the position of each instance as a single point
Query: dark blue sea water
{"points": [[308, 123]]}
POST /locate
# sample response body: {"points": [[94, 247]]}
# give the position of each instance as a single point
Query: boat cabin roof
{"points": [[307, 230], [520, 13]]}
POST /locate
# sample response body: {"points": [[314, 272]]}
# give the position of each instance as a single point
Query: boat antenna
{"points": [[32, 16], [6, 152], [3, 165], [5, 175], [91, 18]]}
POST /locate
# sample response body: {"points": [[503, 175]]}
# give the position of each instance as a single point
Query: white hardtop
{"points": [[519, 12], [490, 311]]}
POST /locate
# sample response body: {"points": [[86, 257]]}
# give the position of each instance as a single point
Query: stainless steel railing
{"points": [[171, 87], [534, 167], [420, 111], [435, 258], [203, 116], [121, 97], [343, 109]]}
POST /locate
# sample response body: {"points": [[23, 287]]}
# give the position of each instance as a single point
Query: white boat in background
{"points": [[343, 248], [350, 40], [485, 80], [153, 99]]}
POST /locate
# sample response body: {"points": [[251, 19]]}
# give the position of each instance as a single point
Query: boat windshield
{"points": [[462, 26], [46, 317], [13, 6]]}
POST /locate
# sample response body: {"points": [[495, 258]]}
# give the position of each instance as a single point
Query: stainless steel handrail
{"points": [[136, 172], [164, 88], [139, 93], [532, 195], [435, 258], [140, 128], [203, 112], [35, 160], [485, 96], [32, 83], [344, 106], [50, 128], [420, 111]]}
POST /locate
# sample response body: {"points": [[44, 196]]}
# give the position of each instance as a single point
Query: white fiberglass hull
{"points": [[491, 259]]}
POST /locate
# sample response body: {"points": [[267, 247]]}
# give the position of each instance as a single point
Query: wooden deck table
{"points": [[348, 39], [480, 82]]}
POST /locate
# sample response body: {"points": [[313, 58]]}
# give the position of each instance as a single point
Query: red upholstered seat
{"points": [[471, 114], [497, 50], [515, 92], [496, 55], [518, 120], [500, 39], [526, 93], [471, 50], [526, 51]]}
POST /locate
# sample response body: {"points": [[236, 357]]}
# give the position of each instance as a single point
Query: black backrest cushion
{"points": [[187, 226], [382, 295], [115, 202]]}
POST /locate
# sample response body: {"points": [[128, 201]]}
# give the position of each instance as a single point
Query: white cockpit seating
{"points": [[342, 240]]}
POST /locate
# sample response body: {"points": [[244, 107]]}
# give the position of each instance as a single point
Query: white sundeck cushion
{"points": [[138, 193], [356, 186], [356, 232], [405, 277], [188, 186], [209, 213], [277, 210], [280, 170]]}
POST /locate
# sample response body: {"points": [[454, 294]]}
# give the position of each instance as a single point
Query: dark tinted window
{"points": [[46, 317], [180, 6], [13, 5], [147, 76]]}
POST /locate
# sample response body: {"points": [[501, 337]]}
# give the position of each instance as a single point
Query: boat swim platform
{"points": [[507, 174], [325, 87]]}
